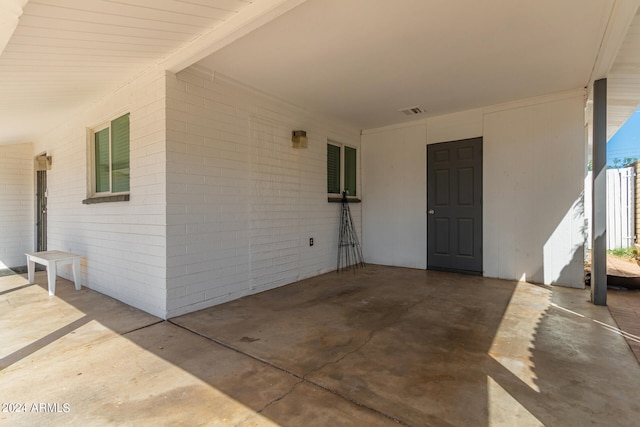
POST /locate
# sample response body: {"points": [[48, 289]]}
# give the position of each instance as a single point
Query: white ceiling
{"points": [[358, 61], [362, 60]]}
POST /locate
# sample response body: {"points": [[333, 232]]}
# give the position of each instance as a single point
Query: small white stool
{"points": [[51, 260]]}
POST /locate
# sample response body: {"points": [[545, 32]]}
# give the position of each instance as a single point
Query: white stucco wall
{"points": [[16, 204], [242, 202], [532, 183], [123, 244]]}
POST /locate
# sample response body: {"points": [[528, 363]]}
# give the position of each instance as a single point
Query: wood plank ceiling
{"points": [[623, 81], [65, 52]]}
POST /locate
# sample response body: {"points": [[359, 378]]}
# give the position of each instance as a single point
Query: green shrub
{"points": [[623, 252]]}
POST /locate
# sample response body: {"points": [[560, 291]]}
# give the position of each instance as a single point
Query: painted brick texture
{"points": [[242, 203], [16, 204], [221, 205], [123, 245]]}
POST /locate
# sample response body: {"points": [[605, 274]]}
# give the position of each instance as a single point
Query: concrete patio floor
{"points": [[384, 346]]}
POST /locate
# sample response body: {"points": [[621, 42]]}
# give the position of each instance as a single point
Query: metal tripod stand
{"points": [[349, 251]]}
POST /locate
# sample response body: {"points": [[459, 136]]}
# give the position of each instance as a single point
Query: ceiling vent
{"points": [[411, 111]]}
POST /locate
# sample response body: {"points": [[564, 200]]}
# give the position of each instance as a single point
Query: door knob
{"points": [[431, 211]]}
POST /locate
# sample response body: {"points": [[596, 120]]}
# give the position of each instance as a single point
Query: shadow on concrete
{"points": [[387, 346], [623, 282]]}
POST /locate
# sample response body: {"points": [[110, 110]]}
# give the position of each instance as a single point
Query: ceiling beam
{"points": [[248, 19], [622, 14], [10, 13]]}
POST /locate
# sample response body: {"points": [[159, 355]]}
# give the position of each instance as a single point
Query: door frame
{"points": [[478, 210]]}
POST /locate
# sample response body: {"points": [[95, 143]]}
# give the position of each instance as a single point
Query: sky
{"points": [[625, 142]]}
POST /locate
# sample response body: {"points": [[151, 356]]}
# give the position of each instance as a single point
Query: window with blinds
{"points": [[111, 157], [341, 169]]}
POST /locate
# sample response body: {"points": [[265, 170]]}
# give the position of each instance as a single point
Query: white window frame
{"points": [[91, 160], [342, 169]]}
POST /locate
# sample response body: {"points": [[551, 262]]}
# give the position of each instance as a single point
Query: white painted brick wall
{"points": [[16, 204], [123, 245], [241, 202], [221, 205]]}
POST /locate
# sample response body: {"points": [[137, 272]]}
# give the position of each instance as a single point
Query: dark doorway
{"points": [[41, 210], [454, 206]]}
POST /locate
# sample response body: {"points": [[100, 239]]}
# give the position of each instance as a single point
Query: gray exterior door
{"points": [[454, 206]]}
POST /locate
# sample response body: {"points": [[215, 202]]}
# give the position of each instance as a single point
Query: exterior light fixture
{"points": [[299, 139], [43, 163]]}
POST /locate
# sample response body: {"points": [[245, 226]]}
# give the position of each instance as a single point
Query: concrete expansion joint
{"points": [[303, 379], [357, 349], [231, 347], [143, 327]]}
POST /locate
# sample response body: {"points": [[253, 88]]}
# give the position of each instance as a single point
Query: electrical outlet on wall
{"points": [[310, 241]]}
